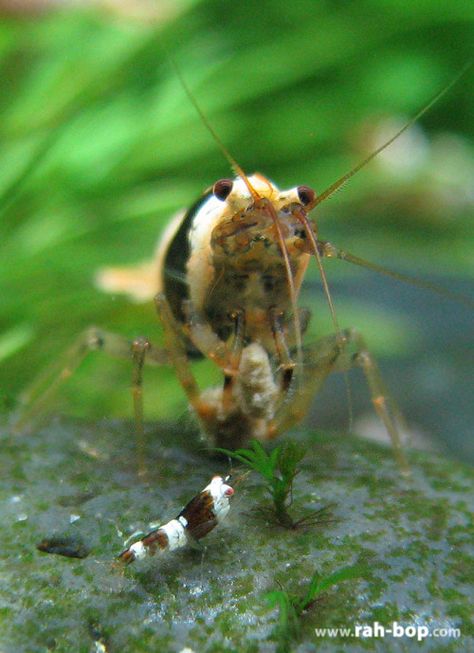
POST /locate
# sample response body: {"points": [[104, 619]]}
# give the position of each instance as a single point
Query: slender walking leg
{"points": [[36, 401], [287, 365], [326, 356], [234, 358]]}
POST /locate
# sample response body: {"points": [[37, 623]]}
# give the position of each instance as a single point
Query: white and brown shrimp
{"points": [[198, 518]]}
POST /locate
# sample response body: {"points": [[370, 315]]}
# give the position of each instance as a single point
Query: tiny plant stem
{"points": [[279, 469]]}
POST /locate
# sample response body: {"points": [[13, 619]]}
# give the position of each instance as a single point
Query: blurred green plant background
{"points": [[99, 146]]}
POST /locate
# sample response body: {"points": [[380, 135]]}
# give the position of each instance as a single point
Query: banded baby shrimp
{"points": [[199, 517], [247, 237]]}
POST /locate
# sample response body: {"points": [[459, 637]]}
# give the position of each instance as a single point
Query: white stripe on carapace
{"points": [[176, 534]]}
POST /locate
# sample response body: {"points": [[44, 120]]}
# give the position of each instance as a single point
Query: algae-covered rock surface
{"points": [[75, 487]]}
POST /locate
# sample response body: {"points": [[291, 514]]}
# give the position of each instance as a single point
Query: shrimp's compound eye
{"points": [[222, 188], [306, 194]]}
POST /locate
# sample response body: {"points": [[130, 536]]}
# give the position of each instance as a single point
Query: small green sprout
{"points": [[279, 468], [291, 608]]}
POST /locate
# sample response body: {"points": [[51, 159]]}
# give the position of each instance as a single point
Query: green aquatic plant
{"points": [[279, 468], [292, 607]]}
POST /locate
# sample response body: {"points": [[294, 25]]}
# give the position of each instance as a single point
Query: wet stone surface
{"points": [[78, 483]]}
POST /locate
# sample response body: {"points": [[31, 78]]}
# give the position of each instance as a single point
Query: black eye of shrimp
{"points": [[223, 188], [306, 194]]}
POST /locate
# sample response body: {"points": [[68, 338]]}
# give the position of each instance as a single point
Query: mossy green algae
{"points": [[413, 536]]}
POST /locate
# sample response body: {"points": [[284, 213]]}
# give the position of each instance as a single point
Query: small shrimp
{"points": [[198, 518]]}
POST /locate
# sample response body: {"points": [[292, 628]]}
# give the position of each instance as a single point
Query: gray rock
{"points": [[78, 483]]}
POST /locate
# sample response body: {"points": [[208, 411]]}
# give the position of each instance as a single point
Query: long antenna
{"points": [[233, 163], [301, 215], [326, 194], [240, 172], [328, 250]]}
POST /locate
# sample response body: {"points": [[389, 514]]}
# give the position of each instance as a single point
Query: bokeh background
{"points": [[99, 146]]}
